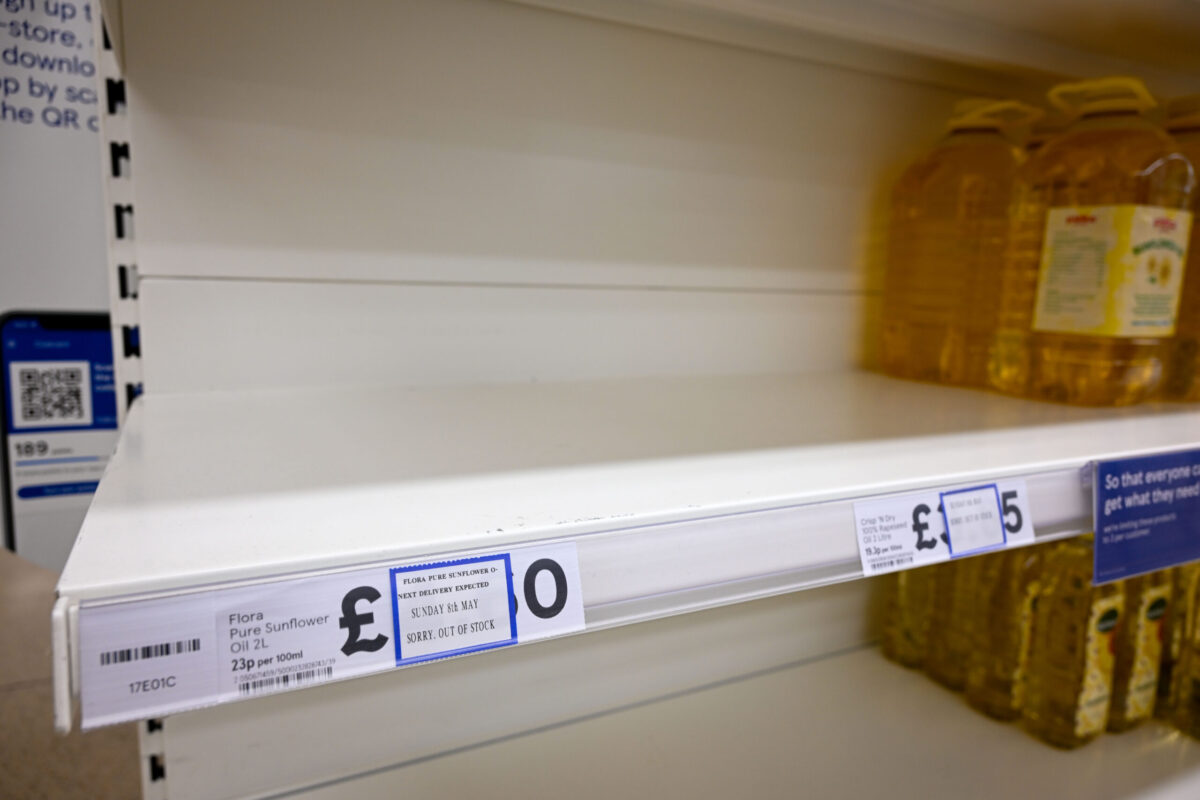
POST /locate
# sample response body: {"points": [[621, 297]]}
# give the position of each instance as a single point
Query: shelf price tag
{"points": [[463, 606], [147, 658], [1147, 513], [912, 530]]}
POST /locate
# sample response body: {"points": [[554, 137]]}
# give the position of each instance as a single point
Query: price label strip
{"points": [[147, 658], [1147, 514], [912, 530]]}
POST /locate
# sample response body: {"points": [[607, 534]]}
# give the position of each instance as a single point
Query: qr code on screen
{"points": [[50, 394]]}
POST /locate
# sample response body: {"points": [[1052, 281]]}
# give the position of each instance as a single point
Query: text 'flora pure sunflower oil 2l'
{"points": [[951, 620], [1007, 590], [906, 623], [1181, 612], [1071, 662], [1139, 650], [1095, 265], [945, 247], [1183, 369]]}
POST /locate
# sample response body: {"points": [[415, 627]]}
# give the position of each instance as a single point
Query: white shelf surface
{"points": [[1055, 37], [680, 494], [852, 725], [215, 487], [1051, 37]]}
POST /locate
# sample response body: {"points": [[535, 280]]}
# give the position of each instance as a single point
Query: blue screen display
{"points": [[48, 388], [60, 425]]}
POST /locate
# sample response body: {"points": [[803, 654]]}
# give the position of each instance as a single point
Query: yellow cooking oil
{"points": [[1071, 661], [1002, 629], [950, 621], [1181, 613], [906, 618], [945, 247], [1042, 129], [1139, 647], [1183, 369], [1186, 685], [1093, 275]]}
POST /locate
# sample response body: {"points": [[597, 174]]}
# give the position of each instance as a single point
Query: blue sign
{"points": [[1147, 514]]}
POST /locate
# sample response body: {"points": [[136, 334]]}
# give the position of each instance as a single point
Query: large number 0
{"points": [[1010, 507], [560, 588]]}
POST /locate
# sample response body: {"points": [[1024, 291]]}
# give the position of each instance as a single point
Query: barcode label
{"points": [[149, 651], [892, 563], [289, 681]]}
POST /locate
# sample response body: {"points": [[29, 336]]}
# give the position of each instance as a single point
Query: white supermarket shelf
{"points": [[1063, 38], [681, 494], [853, 725], [213, 487]]}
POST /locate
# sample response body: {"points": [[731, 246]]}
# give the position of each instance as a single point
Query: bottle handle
{"points": [[1064, 95], [1007, 113]]}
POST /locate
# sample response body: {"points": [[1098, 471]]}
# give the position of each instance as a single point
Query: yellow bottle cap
{"points": [[1101, 95], [986, 113], [1183, 112]]}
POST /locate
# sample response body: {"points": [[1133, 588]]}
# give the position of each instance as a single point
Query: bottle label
{"points": [[1111, 270], [1091, 712], [1147, 642]]}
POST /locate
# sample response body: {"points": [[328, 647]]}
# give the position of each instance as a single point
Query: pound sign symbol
{"points": [[353, 621]]}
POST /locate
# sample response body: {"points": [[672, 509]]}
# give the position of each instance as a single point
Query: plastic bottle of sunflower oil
{"points": [[906, 623], [1008, 587], [1093, 277], [1139, 647], [1186, 684], [1042, 129], [945, 247], [1183, 368], [1071, 661], [951, 620], [1181, 612]]}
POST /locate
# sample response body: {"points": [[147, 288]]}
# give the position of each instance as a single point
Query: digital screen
{"points": [[60, 423]]}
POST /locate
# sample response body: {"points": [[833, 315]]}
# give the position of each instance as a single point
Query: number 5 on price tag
{"points": [[912, 530]]}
